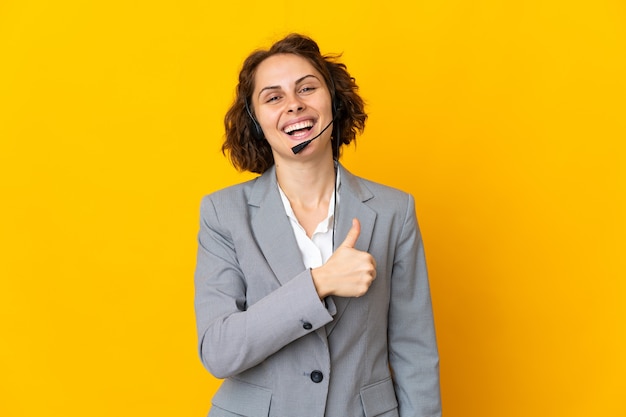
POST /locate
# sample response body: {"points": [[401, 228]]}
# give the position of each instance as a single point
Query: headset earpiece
{"points": [[257, 132], [336, 108]]}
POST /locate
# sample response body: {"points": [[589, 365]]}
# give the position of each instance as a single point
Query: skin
{"points": [[289, 90]]}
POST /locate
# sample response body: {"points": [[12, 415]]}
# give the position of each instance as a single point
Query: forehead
{"points": [[283, 70]]}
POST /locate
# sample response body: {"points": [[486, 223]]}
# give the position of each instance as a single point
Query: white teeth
{"points": [[297, 126]]}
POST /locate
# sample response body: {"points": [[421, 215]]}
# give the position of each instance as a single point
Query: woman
{"points": [[312, 297]]}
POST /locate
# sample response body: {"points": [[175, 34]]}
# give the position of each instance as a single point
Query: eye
{"points": [[272, 99], [307, 89]]}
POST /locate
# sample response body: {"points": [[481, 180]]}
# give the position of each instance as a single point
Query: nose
{"points": [[295, 105]]}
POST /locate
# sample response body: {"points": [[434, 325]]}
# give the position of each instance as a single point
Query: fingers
{"points": [[353, 234], [349, 272]]}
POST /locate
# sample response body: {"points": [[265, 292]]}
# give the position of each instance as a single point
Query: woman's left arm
{"points": [[413, 353]]}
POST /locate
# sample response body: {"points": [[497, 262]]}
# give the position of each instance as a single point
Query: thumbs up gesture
{"points": [[349, 272]]}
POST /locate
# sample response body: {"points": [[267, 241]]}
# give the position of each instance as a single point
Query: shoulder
{"points": [[390, 202], [235, 202], [383, 190], [248, 192], [230, 195], [228, 205], [378, 195]]}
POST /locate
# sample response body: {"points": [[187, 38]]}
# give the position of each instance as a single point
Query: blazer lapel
{"points": [[352, 196], [272, 229], [275, 236]]}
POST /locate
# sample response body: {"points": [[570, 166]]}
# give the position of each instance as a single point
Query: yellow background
{"points": [[506, 120]]}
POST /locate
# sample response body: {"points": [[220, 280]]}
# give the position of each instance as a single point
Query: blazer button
{"points": [[317, 376], [307, 325]]}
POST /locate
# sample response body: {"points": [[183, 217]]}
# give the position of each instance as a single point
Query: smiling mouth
{"points": [[299, 129]]}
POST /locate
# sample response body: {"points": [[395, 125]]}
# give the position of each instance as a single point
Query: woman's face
{"points": [[292, 104]]}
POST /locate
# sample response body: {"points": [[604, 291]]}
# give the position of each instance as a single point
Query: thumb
{"points": [[353, 234]]}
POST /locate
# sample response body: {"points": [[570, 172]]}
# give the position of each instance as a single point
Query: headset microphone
{"points": [[300, 146]]}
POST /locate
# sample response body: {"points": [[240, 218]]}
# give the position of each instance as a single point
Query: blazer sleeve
{"points": [[413, 354], [232, 335]]}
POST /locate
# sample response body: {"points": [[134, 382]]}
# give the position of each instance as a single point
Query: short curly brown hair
{"points": [[248, 151]]}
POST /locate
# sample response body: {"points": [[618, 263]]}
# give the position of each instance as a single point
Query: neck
{"points": [[307, 185]]}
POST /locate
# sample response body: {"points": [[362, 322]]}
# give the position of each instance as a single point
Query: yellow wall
{"points": [[506, 120]]}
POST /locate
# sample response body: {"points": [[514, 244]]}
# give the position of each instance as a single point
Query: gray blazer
{"points": [[282, 351]]}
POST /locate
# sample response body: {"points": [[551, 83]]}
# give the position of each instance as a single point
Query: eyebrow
{"points": [[276, 87]]}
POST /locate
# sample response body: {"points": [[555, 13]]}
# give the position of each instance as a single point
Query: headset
{"points": [[257, 132]]}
